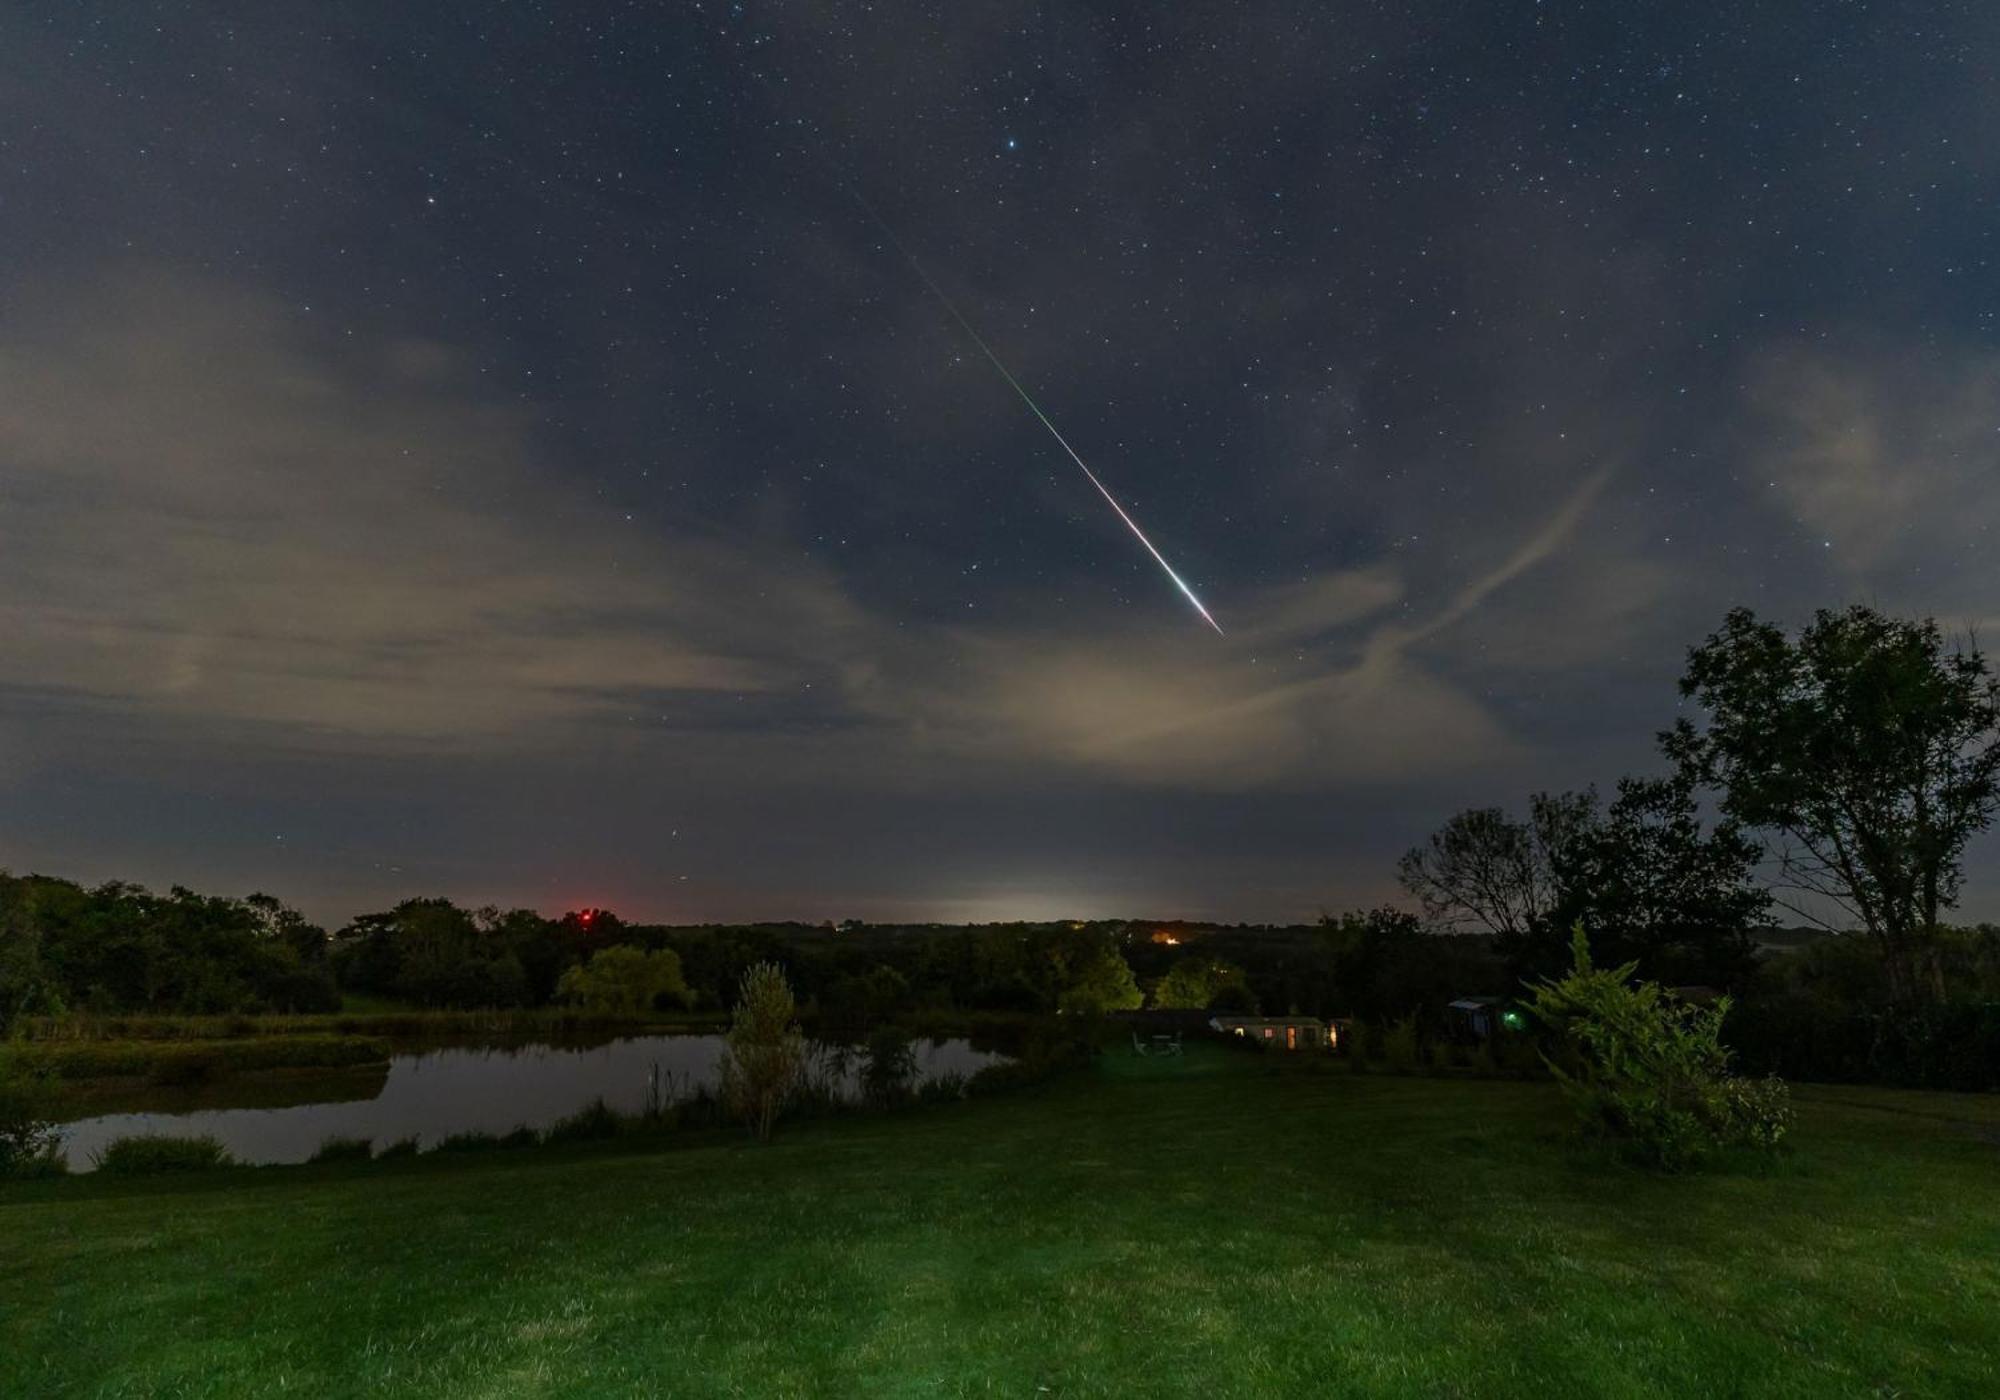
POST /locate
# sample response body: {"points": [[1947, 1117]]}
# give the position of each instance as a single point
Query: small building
{"points": [[1481, 1018], [1279, 1032]]}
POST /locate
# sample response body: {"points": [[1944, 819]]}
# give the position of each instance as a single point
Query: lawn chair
{"points": [[1138, 1045]]}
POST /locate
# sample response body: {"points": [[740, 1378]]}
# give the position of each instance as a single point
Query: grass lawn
{"points": [[1216, 1227]]}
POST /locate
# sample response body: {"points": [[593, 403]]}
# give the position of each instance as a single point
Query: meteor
{"points": [[1036, 409]]}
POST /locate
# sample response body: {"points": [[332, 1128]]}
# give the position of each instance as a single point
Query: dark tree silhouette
{"points": [[1867, 752]]}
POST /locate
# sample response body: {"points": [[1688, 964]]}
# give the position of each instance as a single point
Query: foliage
{"points": [[1649, 1073], [174, 1062], [1400, 1050], [1195, 984], [1387, 964], [626, 979], [856, 1003], [1652, 882], [1484, 869], [888, 1069], [433, 953], [1867, 749], [1655, 887], [120, 948], [1048, 1055], [151, 1155], [1101, 982], [28, 1139], [1947, 1045], [764, 1055]]}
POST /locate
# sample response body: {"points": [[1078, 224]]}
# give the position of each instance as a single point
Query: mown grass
{"points": [[1212, 1226]]}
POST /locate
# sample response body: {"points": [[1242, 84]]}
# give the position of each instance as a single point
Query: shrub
{"points": [[626, 980], [154, 1155], [765, 1055], [402, 1147], [344, 1149], [469, 1142], [29, 1144], [1649, 1073], [1760, 1110], [1441, 1057]]}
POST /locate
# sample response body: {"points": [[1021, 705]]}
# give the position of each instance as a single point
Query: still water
{"points": [[437, 1093]]}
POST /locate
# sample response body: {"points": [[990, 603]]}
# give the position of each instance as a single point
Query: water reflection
{"points": [[439, 1093]]}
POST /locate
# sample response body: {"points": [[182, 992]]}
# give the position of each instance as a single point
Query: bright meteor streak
{"points": [[1040, 416]]}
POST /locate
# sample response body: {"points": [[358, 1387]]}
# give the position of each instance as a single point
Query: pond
{"points": [[435, 1094]]}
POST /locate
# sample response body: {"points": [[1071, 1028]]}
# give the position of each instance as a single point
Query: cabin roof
{"points": [[1266, 1021]]}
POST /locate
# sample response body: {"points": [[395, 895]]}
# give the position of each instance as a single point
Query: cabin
{"points": [[1279, 1032]]}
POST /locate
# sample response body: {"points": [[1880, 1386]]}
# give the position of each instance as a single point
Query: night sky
{"points": [[486, 449]]}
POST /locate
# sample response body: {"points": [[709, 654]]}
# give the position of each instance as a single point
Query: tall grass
{"points": [[344, 1149], [150, 1155]]}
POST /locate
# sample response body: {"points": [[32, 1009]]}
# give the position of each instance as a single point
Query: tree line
{"points": [[1835, 776]]}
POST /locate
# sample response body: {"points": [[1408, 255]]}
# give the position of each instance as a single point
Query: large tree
{"points": [[1866, 749], [1644, 875], [1485, 871], [1655, 885]]}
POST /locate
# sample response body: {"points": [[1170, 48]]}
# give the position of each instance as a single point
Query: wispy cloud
{"points": [[205, 513]]}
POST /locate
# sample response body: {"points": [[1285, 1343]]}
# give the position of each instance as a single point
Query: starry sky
{"points": [[487, 450]]}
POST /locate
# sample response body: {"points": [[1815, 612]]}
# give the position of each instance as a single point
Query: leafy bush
{"points": [[154, 1155], [1649, 1073], [626, 980], [888, 1069], [29, 1145], [344, 1149], [402, 1147], [1759, 1110]]}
